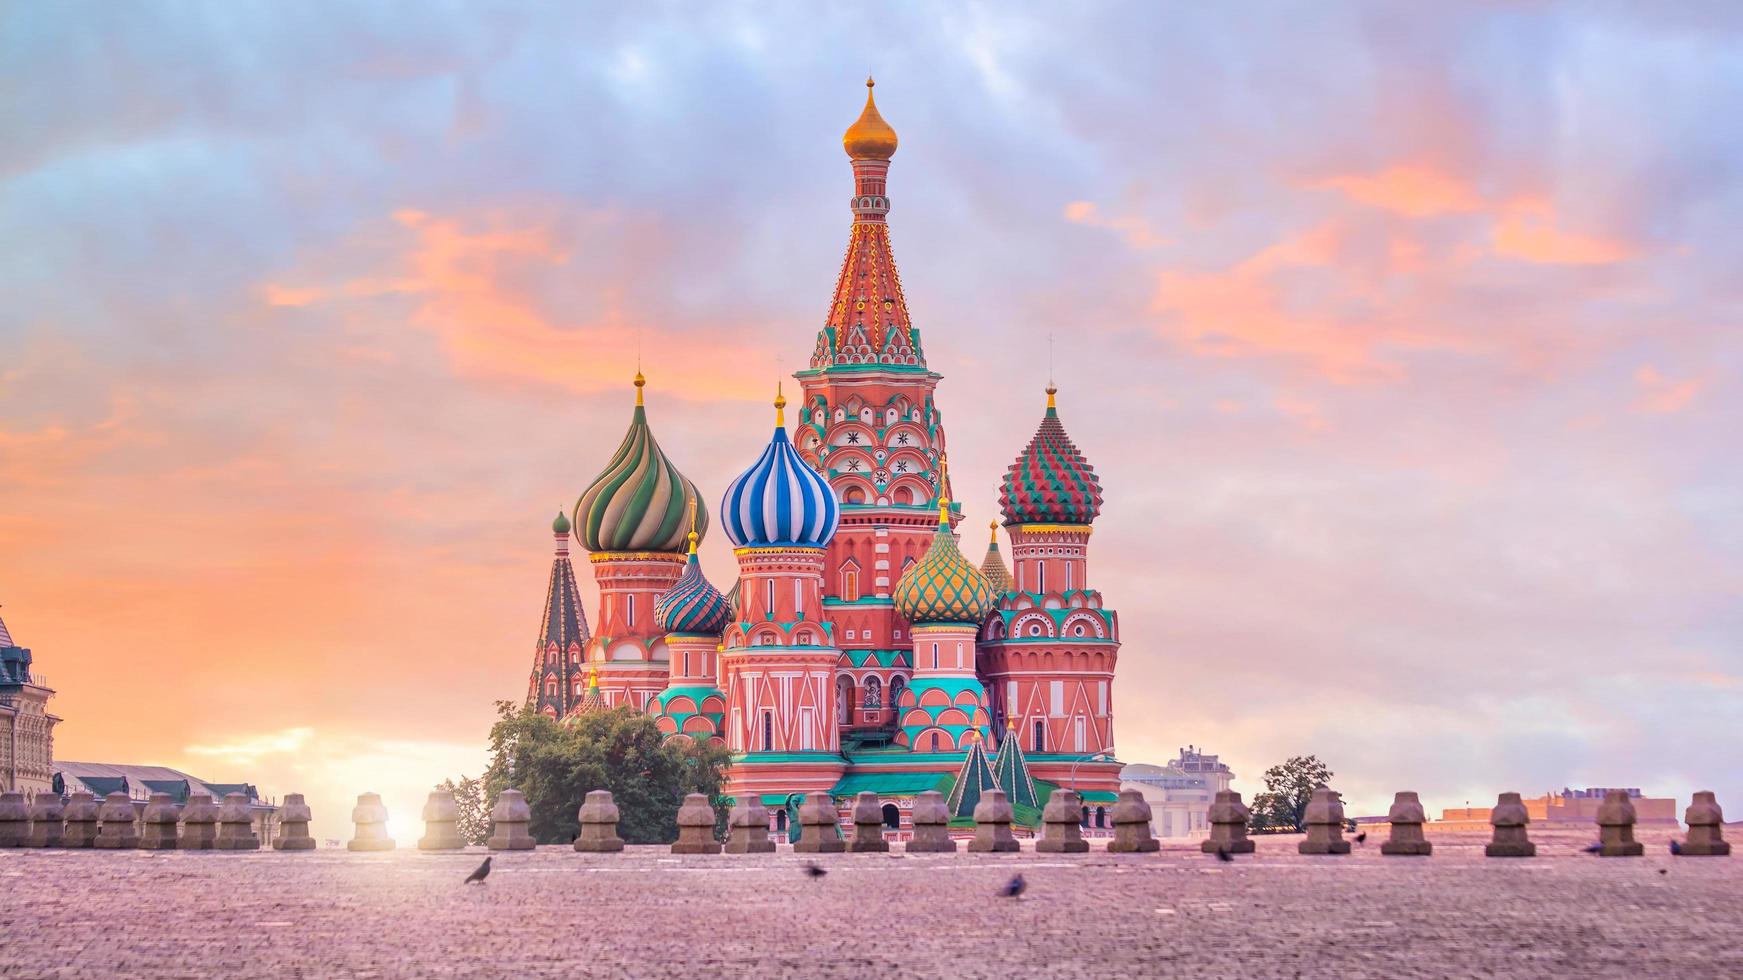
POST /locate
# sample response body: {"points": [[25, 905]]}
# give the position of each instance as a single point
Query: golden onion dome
{"points": [[869, 138]]}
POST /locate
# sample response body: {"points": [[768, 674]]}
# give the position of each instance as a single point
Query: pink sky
{"points": [[1405, 343]]}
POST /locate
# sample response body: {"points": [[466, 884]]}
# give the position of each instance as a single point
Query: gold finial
{"points": [[1010, 724], [780, 407], [592, 676], [1050, 393], [993, 526], [869, 83], [943, 490], [694, 537], [640, 383]]}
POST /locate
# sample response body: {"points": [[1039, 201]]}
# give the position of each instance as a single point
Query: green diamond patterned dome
{"points": [[943, 586]]}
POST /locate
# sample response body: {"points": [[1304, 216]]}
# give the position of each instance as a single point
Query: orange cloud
{"points": [[1524, 228], [1413, 191], [471, 289], [1527, 231], [1659, 395], [1136, 230]]}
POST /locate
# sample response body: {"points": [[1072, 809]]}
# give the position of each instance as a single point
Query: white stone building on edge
{"points": [[26, 727], [1180, 793]]}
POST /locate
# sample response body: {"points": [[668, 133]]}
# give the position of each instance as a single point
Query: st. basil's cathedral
{"points": [[859, 649]]}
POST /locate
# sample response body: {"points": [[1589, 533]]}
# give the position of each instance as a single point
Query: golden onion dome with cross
{"points": [[869, 138]]}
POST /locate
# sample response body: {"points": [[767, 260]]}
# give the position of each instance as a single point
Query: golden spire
{"points": [[780, 407], [694, 537], [640, 382], [1051, 391], [869, 138], [943, 492], [993, 526], [1010, 723]]}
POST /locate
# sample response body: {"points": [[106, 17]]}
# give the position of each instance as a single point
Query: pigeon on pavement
{"points": [[480, 874]]}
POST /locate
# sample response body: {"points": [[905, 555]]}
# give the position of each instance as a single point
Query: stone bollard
{"points": [[441, 823], [1060, 829], [159, 823], [819, 826], [14, 820], [931, 825], [1616, 826], [599, 824], [696, 827], [293, 825], [81, 821], [199, 823], [747, 828], [370, 818], [868, 824], [992, 825], [46, 815], [1706, 827], [509, 819], [1228, 825], [1509, 820], [1325, 825], [117, 829], [1131, 817], [1407, 818], [236, 824]]}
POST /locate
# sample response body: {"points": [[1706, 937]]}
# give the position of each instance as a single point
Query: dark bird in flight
{"points": [[1663, 871], [1362, 837], [1593, 848], [479, 875], [1015, 887], [1676, 847], [1222, 854], [812, 869]]}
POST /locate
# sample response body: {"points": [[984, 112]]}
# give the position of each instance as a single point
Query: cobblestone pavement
{"points": [[553, 912]]}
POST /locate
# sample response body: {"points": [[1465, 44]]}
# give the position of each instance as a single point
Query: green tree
{"points": [[1282, 808], [556, 765], [474, 822]]}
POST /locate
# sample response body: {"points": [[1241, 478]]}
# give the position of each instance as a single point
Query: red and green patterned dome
{"points": [[943, 586], [1051, 482]]}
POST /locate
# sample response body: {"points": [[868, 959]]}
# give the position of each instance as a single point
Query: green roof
{"points": [[891, 783]]}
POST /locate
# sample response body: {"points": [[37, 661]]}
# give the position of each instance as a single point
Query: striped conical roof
{"points": [[943, 586], [692, 604], [974, 778], [1011, 771], [1051, 482], [640, 502], [993, 565]]}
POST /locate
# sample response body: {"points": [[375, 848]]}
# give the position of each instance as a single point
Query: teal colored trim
{"points": [[771, 758]]}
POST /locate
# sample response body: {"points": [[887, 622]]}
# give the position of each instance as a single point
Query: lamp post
{"points": [[1102, 756]]}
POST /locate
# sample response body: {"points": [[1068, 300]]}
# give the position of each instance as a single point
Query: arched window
{"points": [[768, 731], [1084, 821], [1040, 742], [850, 584], [873, 694], [551, 687], [897, 684], [781, 820], [1101, 816], [892, 816], [934, 656], [844, 700], [934, 741], [631, 608]]}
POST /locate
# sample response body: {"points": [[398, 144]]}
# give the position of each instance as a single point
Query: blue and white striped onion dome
{"points": [[780, 501], [692, 604]]}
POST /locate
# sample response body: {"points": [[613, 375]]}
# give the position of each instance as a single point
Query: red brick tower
{"points": [[866, 420], [1048, 651]]}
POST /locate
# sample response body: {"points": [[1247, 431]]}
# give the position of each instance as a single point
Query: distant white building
{"points": [[1179, 793], [26, 726]]}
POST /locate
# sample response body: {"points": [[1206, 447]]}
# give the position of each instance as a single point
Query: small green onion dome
{"points": [[560, 525], [943, 586]]}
